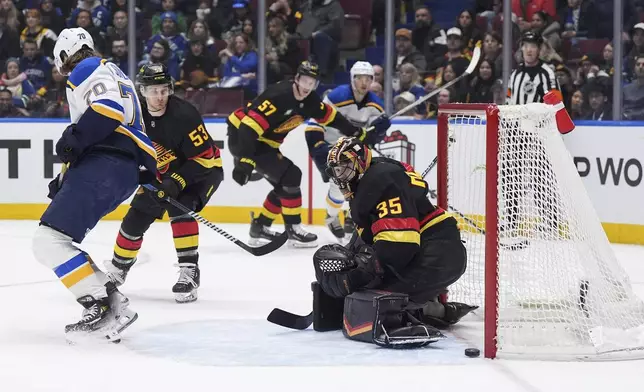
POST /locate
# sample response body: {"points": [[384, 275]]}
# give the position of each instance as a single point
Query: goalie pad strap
{"points": [[381, 317]]}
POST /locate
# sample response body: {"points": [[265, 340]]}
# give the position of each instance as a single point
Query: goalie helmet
{"points": [[347, 162], [68, 43]]}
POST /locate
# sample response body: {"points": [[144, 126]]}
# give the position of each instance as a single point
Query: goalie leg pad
{"points": [[382, 318], [327, 310]]}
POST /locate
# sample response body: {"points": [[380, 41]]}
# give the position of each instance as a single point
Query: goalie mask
{"points": [[347, 161]]}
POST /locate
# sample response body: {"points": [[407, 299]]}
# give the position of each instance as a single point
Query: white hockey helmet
{"points": [[361, 68], [69, 42]]}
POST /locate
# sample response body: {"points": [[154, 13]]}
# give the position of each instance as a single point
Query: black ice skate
{"points": [[299, 238], [97, 319], [333, 223], [349, 226], [260, 234], [185, 290], [117, 272]]}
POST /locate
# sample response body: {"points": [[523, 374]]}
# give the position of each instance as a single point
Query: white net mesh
{"points": [[561, 290]]}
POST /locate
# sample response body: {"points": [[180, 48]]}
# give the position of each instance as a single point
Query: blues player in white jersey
{"points": [[361, 107], [106, 153]]}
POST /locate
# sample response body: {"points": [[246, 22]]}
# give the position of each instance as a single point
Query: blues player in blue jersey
{"points": [[361, 107], [106, 153]]}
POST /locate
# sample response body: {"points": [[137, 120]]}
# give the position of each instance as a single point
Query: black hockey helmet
{"points": [[309, 68], [531, 36], [153, 74], [347, 161]]}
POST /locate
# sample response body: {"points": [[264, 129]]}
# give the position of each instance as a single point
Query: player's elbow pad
{"points": [[93, 127]]}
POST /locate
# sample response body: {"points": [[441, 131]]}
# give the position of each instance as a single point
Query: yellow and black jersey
{"points": [[392, 211], [276, 112], [185, 150]]}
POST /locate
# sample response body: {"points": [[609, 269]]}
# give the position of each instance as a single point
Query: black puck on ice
{"points": [[472, 352]]}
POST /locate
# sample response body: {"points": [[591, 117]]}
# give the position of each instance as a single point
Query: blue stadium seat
{"points": [[341, 77], [375, 54]]}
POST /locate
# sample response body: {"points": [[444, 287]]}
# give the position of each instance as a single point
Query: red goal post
{"points": [[539, 264], [492, 148]]}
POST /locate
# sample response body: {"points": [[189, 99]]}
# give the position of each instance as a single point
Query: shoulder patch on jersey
{"points": [[375, 101], [341, 95], [82, 71]]}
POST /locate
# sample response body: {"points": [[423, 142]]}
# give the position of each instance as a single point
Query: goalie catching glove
{"points": [[341, 272]]}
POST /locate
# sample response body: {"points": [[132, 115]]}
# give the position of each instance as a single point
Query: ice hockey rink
{"points": [[224, 341]]}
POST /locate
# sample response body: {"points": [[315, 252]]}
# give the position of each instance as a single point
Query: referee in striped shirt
{"points": [[526, 165]]}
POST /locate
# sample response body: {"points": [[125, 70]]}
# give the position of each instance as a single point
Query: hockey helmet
{"points": [[309, 69], [154, 75], [531, 36], [347, 161], [68, 43], [361, 68]]}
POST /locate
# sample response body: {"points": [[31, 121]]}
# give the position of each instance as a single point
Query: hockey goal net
{"points": [[539, 263]]}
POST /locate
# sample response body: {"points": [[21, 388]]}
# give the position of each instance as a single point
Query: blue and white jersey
{"points": [[360, 114], [102, 86]]}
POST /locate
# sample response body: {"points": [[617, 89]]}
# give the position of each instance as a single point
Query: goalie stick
{"points": [[259, 251], [290, 320]]}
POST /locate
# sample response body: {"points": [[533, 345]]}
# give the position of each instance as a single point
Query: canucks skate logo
{"points": [[164, 157], [290, 124]]}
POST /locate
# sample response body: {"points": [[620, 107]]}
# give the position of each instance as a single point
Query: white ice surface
{"points": [[223, 340]]}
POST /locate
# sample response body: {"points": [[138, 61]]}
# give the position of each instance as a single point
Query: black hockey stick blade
{"points": [[290, 320], [265, 249]]}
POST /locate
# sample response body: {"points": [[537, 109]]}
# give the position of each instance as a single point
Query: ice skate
{"points": [[97, 321], [349, 226], [117, 272], [260, 234], [119, 305], [185, 290], [300, 238], [333, 223]]}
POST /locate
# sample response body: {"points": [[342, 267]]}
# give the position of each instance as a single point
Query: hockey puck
{"points": [[472, 352]]}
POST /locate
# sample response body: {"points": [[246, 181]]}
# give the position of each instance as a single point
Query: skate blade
{"points": [[125, 319], [106, 334], [183, 298], [301, 245]]}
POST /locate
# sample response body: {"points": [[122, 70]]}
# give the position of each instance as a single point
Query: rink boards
{"points": [[608, 157]]}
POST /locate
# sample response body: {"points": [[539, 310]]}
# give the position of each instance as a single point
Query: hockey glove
{"points": [[68, 148], [54, 187], [381, 124], [242, 171], [340, 272], [170, 187]]}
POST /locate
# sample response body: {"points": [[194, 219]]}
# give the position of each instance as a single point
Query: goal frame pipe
{"points": [[491, 113]]}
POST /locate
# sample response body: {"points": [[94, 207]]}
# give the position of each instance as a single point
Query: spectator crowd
{"points": [[210, 48]]}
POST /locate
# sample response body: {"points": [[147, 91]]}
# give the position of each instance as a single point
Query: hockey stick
{"points": [[476, 56], [516, 246], [290, 320], [259, 251]]}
